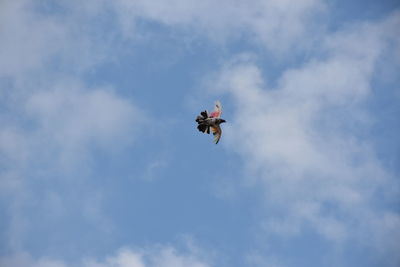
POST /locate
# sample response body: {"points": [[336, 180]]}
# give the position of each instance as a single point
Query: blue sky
{"points": [[101, 163]]}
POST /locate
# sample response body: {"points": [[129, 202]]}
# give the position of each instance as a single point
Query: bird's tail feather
{"points": [[202, 127], [199, 119], [203, 115]]}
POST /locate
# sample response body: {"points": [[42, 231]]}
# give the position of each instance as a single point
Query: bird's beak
{"points": [[223, 121]]}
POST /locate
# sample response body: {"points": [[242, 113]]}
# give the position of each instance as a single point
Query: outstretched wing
{"points": [[216, 130], [217, 110]]}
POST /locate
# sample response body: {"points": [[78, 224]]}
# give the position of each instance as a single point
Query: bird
{"points": [[212, 121]]}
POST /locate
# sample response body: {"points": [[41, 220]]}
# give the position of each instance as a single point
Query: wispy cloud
{"points": [[158, 256], [35, 41], [300, 139], [275, 25], [53, 121]]}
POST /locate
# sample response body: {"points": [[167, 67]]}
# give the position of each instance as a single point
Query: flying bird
{"points": [[212, 121]]}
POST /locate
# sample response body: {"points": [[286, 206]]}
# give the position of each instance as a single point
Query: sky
{"points": [[101, 164]]}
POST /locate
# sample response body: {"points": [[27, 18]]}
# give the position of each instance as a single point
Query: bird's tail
{"points": [[203, 115], [202, 127]]}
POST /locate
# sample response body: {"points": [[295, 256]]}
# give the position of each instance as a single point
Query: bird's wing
{"points": [[216, 130], [217, 110]]}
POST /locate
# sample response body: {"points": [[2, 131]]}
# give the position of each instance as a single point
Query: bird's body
{"points": [[211, 122]]}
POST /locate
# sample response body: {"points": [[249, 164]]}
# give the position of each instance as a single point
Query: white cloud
{"points": [[160, 256], [33, 39], [46, 99], [24, 259], [169, 257], [25, 40], [50, 149], [124, 258], [65, 122], [35, 42], [300, 139], [75, 117], [53, 122], [278, 25], [166, 256]]}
